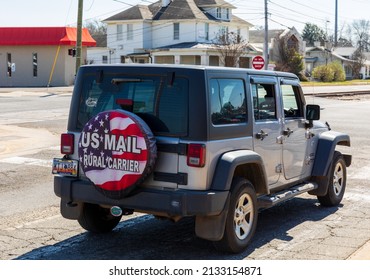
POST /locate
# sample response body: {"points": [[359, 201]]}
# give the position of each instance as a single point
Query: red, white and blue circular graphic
{"points": [[116, 151]]}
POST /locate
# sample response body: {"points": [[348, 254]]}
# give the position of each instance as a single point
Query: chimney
{"points": [[165, 3]]}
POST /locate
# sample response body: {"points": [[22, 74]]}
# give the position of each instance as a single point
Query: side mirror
{"points": [[312, 112]]}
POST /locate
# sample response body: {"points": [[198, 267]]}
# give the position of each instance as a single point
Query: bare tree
{"points": [[231, 47], [361, 29], [358, 61], [98, 31]]}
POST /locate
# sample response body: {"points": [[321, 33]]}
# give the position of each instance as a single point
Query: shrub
{"points": [[339, 74], [329, 73], [323, 73]]}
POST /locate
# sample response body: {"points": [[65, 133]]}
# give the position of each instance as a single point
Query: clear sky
{"points": [[283, 13]]}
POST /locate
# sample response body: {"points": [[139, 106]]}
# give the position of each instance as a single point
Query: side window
{"points": [[227, 98], [264, 101], [291, 101]]}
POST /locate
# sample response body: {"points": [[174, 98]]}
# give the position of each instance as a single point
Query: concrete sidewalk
{"points": [[35, 91]]}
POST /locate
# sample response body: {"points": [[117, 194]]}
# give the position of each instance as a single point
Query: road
{"points": [[32, 228]]}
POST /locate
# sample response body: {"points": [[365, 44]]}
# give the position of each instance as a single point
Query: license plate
{"points": [[66, 167]]}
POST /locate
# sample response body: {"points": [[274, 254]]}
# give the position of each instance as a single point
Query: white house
{"points": [[173, 31]]}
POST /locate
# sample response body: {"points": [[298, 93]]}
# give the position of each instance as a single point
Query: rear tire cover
{"points": [[117, 151]]}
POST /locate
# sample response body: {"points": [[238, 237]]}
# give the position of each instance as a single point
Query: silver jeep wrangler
{"points": [[215, 143]]}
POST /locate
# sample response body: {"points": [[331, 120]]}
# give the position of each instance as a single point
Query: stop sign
{"points": [[258, 62]]}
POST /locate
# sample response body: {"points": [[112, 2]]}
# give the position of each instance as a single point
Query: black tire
{"points": [[97, 219], [337, 183], [241, 221]]}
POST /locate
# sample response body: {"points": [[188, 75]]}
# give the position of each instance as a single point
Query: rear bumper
{"points": [[166, 202]]}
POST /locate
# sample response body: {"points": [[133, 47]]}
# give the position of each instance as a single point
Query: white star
{"points": [[97, 118], [106, 131], [101, 123], [90, 126]]}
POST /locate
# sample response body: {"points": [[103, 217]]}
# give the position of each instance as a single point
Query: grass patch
{"points": [[344, 83]]}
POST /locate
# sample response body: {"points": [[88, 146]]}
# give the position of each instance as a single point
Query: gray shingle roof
{"points": [[213, 3], [176, 10], [135, 12], [180, 9]]}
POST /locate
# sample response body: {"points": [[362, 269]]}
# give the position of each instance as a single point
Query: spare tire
{"points": [[117, 151]]}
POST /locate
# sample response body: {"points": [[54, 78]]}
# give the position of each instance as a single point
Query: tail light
{"points": [[196, 156], [67, 143]]}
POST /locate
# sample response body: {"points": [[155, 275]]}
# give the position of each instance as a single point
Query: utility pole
{"points": [[79, 35], [336, 24], [266, 43]]}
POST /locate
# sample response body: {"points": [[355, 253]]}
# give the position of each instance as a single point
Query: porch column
{"points": [[204, 59]]}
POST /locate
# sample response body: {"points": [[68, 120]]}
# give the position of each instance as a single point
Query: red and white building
{"points": [[39, 56]]}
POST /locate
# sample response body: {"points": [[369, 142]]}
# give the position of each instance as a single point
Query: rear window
{"points": [[162, 105]]}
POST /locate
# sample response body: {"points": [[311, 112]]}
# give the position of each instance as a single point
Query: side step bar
{"points": [[268, 201]]}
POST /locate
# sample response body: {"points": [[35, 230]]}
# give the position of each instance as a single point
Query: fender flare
{"points": [[323, 159], [325, 150], [228, 164]]}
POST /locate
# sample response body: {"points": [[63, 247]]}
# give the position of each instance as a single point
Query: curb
{"points": [[363, 253]]}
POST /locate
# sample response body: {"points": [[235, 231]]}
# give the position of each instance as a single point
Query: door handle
{"points": [[261, 135], [287, 132]]}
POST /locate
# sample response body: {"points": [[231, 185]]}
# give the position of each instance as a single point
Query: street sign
{"points": [[258, 62]]}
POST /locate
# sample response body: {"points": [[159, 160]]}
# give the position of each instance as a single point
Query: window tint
{"points": [[264, 103], [227, 98], [163, 107], [291, 101]]}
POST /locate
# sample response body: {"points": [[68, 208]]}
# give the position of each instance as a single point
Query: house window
{"points": [[227, 13], [9, 64], [166, 59], [218, 13], [224, 30], [206, 31], [214, 60], [105, 59], [176, 31], [34, 64], [293, 43], [119, 32], [130, 32], [190, 59]]}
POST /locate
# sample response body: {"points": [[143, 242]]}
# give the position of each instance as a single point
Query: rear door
{"points": [[162, 106]]}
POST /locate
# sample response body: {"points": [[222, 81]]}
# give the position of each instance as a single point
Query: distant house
{"points": [[291, 37], [319, 55], [39, 56], [173, 31]]}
